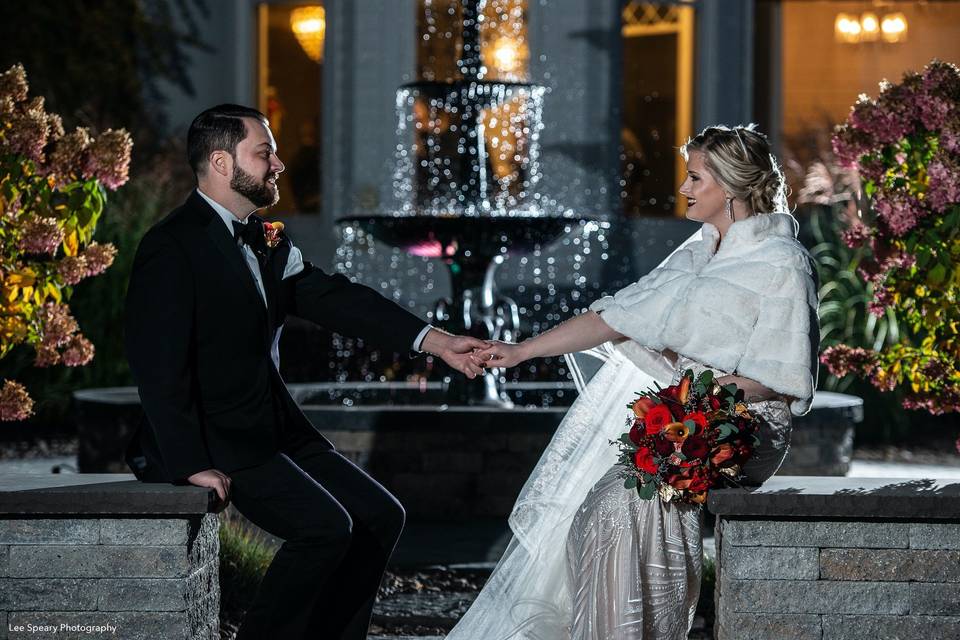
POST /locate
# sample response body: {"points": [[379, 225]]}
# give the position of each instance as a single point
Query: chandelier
{"points": [[309, 25], [868, 27]]}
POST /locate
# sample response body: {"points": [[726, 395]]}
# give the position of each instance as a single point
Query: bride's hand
{"points": [[502, 355]]}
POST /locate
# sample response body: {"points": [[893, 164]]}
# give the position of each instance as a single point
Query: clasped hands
{"points": [[471, 356]]}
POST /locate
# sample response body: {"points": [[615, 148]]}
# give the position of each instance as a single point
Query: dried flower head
{"points": [[15, 402]]}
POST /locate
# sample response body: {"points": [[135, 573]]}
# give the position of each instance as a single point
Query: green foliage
{"points": [[244, 559]]}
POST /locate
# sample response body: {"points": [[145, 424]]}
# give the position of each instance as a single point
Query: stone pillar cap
{"points": [[99, 494], [843, 498]]}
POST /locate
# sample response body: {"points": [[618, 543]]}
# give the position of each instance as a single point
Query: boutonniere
{"points": [[273, 233]]}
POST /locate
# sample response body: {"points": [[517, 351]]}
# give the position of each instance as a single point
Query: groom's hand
{"points": [[213, 479], [456, 351]]}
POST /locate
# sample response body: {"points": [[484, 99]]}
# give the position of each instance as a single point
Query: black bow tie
{"points": [[251, 234]]}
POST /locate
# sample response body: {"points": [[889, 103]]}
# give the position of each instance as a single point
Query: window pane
{"points": [[290, 49], [657, 105]]}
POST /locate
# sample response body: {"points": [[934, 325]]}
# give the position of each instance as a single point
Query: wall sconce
{"points": [[309, 25], [894, 27], [850, 29]]}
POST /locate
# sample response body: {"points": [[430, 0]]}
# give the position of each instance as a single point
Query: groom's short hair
{"points": [[219, 127]]}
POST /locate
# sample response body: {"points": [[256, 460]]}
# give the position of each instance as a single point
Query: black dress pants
{"points": [[339, 528]]}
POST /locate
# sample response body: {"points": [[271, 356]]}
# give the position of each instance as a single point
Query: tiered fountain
{"points": [[454, 203]]}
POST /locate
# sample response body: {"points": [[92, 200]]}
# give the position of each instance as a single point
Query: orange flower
{"points": [[676, 432], [722, 453], [697, 498], [642, 406], [684, 390]]}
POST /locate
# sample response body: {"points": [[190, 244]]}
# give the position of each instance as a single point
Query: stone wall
{"points": [[119, 575], [838, 559]]}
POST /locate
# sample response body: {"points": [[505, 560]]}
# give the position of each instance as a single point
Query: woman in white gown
{"points": [[589, 559]]}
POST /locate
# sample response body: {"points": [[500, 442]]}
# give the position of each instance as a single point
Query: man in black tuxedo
{"points": [[207, 299]]}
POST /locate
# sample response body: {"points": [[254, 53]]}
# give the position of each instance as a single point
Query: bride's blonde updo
{"points": [[740, 161]]}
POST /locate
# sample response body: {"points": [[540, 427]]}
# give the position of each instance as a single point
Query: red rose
{"points": [[663, 446], [699, 418], [657, 418], [695, 447], [636, 431], [701, 482], [714, 403], [643, 458]]}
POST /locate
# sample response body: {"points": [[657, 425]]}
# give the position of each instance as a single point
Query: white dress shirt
{"points": [[293, 267]]}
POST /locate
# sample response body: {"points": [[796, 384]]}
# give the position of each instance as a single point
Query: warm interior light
{"points": [[309, 25], [894, 27], [869, 27], [846, 28]]}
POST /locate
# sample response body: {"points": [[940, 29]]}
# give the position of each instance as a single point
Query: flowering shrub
{"points": [[52, 193], [905, 146]]}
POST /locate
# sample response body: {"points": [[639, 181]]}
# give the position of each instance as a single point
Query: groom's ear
{"points": [[220, 162]]}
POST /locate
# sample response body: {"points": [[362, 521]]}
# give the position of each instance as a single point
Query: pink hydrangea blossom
{"points": [[108, 158], [15, 402], [857, 235], [72, 269], [65, 161], [78, 352], [943, 189], [98, 257], [41, 236], [899, 211], [13, 83], [28, 131], [47, 355], [841, 360], [58, 326]]}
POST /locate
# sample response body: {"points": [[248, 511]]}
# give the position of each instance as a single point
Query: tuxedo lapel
{"points": [[227, 245]]}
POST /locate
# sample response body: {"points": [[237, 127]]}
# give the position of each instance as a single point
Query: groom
{"points": [[210, 288]]}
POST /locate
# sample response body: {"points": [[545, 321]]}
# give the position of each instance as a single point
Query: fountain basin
{"points": [[445, 461]]}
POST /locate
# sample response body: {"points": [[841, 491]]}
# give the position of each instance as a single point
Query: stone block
{"points": [[48, 594], [145, 531], [747, 626], [49, 530], [820, 533], [98, 561], [459, 461], [157, 594], [501, 483], [532, 443], [510, 461], [126, 625], [935, 535], [880, 627], [770, 563], [491, 442], [352, 440], [890, 565], [935, 599], [814, 596]]}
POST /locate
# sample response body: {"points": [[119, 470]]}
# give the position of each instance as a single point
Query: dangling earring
{"points": [[730, 208]]}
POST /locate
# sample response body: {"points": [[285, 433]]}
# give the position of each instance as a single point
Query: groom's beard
{"points": [[259, 192]]}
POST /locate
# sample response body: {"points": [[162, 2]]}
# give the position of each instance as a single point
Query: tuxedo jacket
{"points": [[198, 338]]}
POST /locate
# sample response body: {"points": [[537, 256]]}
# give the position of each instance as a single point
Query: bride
{"points": [[590, 560]]}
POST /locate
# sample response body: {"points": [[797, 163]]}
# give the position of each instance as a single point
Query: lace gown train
{"points": [[634, 566]]}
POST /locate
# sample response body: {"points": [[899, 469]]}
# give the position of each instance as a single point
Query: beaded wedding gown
{"points": [[596, 562], [634, 566]]}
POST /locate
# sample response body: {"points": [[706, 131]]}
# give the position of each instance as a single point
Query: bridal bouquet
{"points": [[686, 439]]}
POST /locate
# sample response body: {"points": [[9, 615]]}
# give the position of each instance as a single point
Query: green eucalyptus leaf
{"points": [[646, 491]]}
